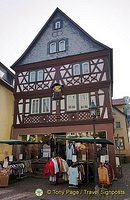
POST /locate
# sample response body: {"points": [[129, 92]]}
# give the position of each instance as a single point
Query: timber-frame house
{"points": [[62, 71]]}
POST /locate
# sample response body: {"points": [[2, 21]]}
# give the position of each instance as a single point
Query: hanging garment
{"points": [[56, 168], [70, 151], [103, 175], [49, 168], [73, 175], [52, 178], [111, 171]]}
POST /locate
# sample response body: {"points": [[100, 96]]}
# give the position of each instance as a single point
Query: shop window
{"points": [[83, 101], [35, 106], [46, 105], [53, 47], [62, 45], [118, 125], [32, 76], [71, 102], [119, 143], [40, 75], [85, 68]]}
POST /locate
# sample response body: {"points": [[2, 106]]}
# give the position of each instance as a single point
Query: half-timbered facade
{"points": [[58, 76]]}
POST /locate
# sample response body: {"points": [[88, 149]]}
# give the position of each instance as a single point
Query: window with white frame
{"points": [[35, 106], [83, 101], [53, 47], [76, 69], [118, 125], [71, 102], [32, 76], [85, 68], [57, 25], [62, 45], [40, 75], [46, 105]]}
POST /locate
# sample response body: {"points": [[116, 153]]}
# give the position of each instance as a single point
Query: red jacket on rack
{"points": [[49, 168]]}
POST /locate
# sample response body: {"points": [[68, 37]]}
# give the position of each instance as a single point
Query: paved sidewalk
{"points": [[25, 189]]}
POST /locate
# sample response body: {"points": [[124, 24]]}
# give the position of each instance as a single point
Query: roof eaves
{"points": [[5, 68], [119, 110]]}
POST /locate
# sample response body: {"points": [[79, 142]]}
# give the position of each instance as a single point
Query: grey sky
{"points": [[108, 21]]}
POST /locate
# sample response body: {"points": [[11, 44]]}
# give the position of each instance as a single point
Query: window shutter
{"points": [[30, 106], [57, 45], [66, 44], [61, 23], [48, 48], [40, 106], [53, 26]]}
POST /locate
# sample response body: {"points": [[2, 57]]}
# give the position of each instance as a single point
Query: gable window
{"points": [[35, 106], [40, 75], [46, 105], [76, 69], [85, 68], [53, 47], [83, 101], [118, 125], [32, 76], [71, 102], [62, 45], [57, 25]]}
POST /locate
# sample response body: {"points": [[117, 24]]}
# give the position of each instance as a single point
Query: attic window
{"points": [[57, 25], [53, 47]]}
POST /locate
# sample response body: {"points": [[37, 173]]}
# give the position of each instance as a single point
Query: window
{"points": [[32, 76], [81, 68], [35, 106], [85, 68], [46, 105], [76, 69], [71, 102], [53, 47], [62, 45], [83, 101], [40, 75], [120, 143], [118, 125], [57, 25]]}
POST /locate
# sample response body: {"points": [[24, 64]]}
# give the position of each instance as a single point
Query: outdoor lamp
{"points": [[93, 114], [93, 110]]}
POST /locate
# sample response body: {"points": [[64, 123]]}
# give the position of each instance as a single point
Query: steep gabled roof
{"points": [[118, 102], [44, 28], [119, 110]]}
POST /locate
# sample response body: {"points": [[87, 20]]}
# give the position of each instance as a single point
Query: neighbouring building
{"points": [[121, 129], [62, 71], [6, 109]]}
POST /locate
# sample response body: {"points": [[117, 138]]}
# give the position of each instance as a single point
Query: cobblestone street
{"points": [[25, 189]]}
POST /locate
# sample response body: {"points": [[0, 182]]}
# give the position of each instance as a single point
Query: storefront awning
{"points": [[13, 142], [87, 140]]}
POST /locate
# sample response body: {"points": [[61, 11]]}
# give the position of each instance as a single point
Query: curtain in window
{"points": [[53, 47], [35, 106], [83, 101], [71, 102], [32, 76], [76, 69], [62, 45], [46, 105], [85, 68], [40, 75]]}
